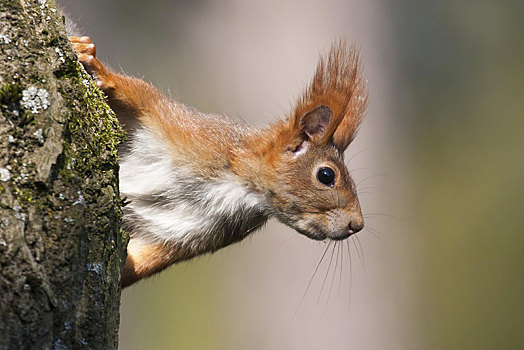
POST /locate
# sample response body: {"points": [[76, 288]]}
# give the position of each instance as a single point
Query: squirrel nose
{"points": [[355, 225]]}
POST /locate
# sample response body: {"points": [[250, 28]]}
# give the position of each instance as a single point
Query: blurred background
{"points": [[439, 161]]}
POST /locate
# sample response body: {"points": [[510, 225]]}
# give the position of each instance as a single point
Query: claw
{"points": [[80, 39], [89, 49], [86, 52]]}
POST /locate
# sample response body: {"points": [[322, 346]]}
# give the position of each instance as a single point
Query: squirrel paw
{"points": [[86, 52]]}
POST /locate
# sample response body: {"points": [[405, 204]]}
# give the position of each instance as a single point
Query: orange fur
{"points": [[262, 159], [338, 84], [144, 259]]}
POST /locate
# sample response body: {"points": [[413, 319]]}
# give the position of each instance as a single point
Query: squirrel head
{"points": [[308, 184]]}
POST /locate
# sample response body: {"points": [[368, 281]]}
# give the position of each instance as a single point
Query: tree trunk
{"points": [[61, 248]]}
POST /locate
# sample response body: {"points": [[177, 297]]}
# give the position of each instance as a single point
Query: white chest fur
{"points": [[170, 203]]}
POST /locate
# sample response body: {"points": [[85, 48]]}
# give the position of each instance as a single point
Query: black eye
{"points": [[326, 176]]}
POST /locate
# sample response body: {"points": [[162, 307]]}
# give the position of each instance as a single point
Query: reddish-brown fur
{"points": [[259, 157]]}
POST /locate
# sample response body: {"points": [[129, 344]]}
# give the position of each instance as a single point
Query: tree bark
{"points": [[61, 247]]}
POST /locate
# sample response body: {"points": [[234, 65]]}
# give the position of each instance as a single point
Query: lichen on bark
{"points": [[61, 247]]}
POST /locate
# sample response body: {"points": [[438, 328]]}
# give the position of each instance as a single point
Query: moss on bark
{"points": [[61, 247]]}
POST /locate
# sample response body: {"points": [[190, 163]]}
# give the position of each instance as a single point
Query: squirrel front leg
{"points": [[132, 99]]}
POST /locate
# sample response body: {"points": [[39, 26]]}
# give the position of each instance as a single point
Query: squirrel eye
{"points": [[326, 176]]}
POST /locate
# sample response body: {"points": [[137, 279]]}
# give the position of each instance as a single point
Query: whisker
{"points": [[341, 267], [375, 234], [371, 228], [370, 188], [327, 273], [361, 258], [334, 272], [360, 245], [369, 178], [356, 154], [358, 169], [350, 275], [367, 215], [313, 276]]}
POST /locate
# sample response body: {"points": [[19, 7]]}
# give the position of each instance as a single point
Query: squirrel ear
{"points": [[315, 122], [337, 86], [347, 129]]}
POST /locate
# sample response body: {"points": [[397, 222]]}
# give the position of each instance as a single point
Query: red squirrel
{"points": [[197, 182]]}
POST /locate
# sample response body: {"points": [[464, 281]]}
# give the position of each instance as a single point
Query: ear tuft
{"points": [[315, 123], [338, 86]]}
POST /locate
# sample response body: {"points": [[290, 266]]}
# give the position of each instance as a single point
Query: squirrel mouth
{"points": [[315, 235], [318, 234], [342, 237]]}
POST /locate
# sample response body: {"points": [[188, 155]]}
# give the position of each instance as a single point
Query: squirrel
{"points": [[197, 183]]}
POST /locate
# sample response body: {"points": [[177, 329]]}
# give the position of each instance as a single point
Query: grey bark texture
{"points": [[61, 247]]}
